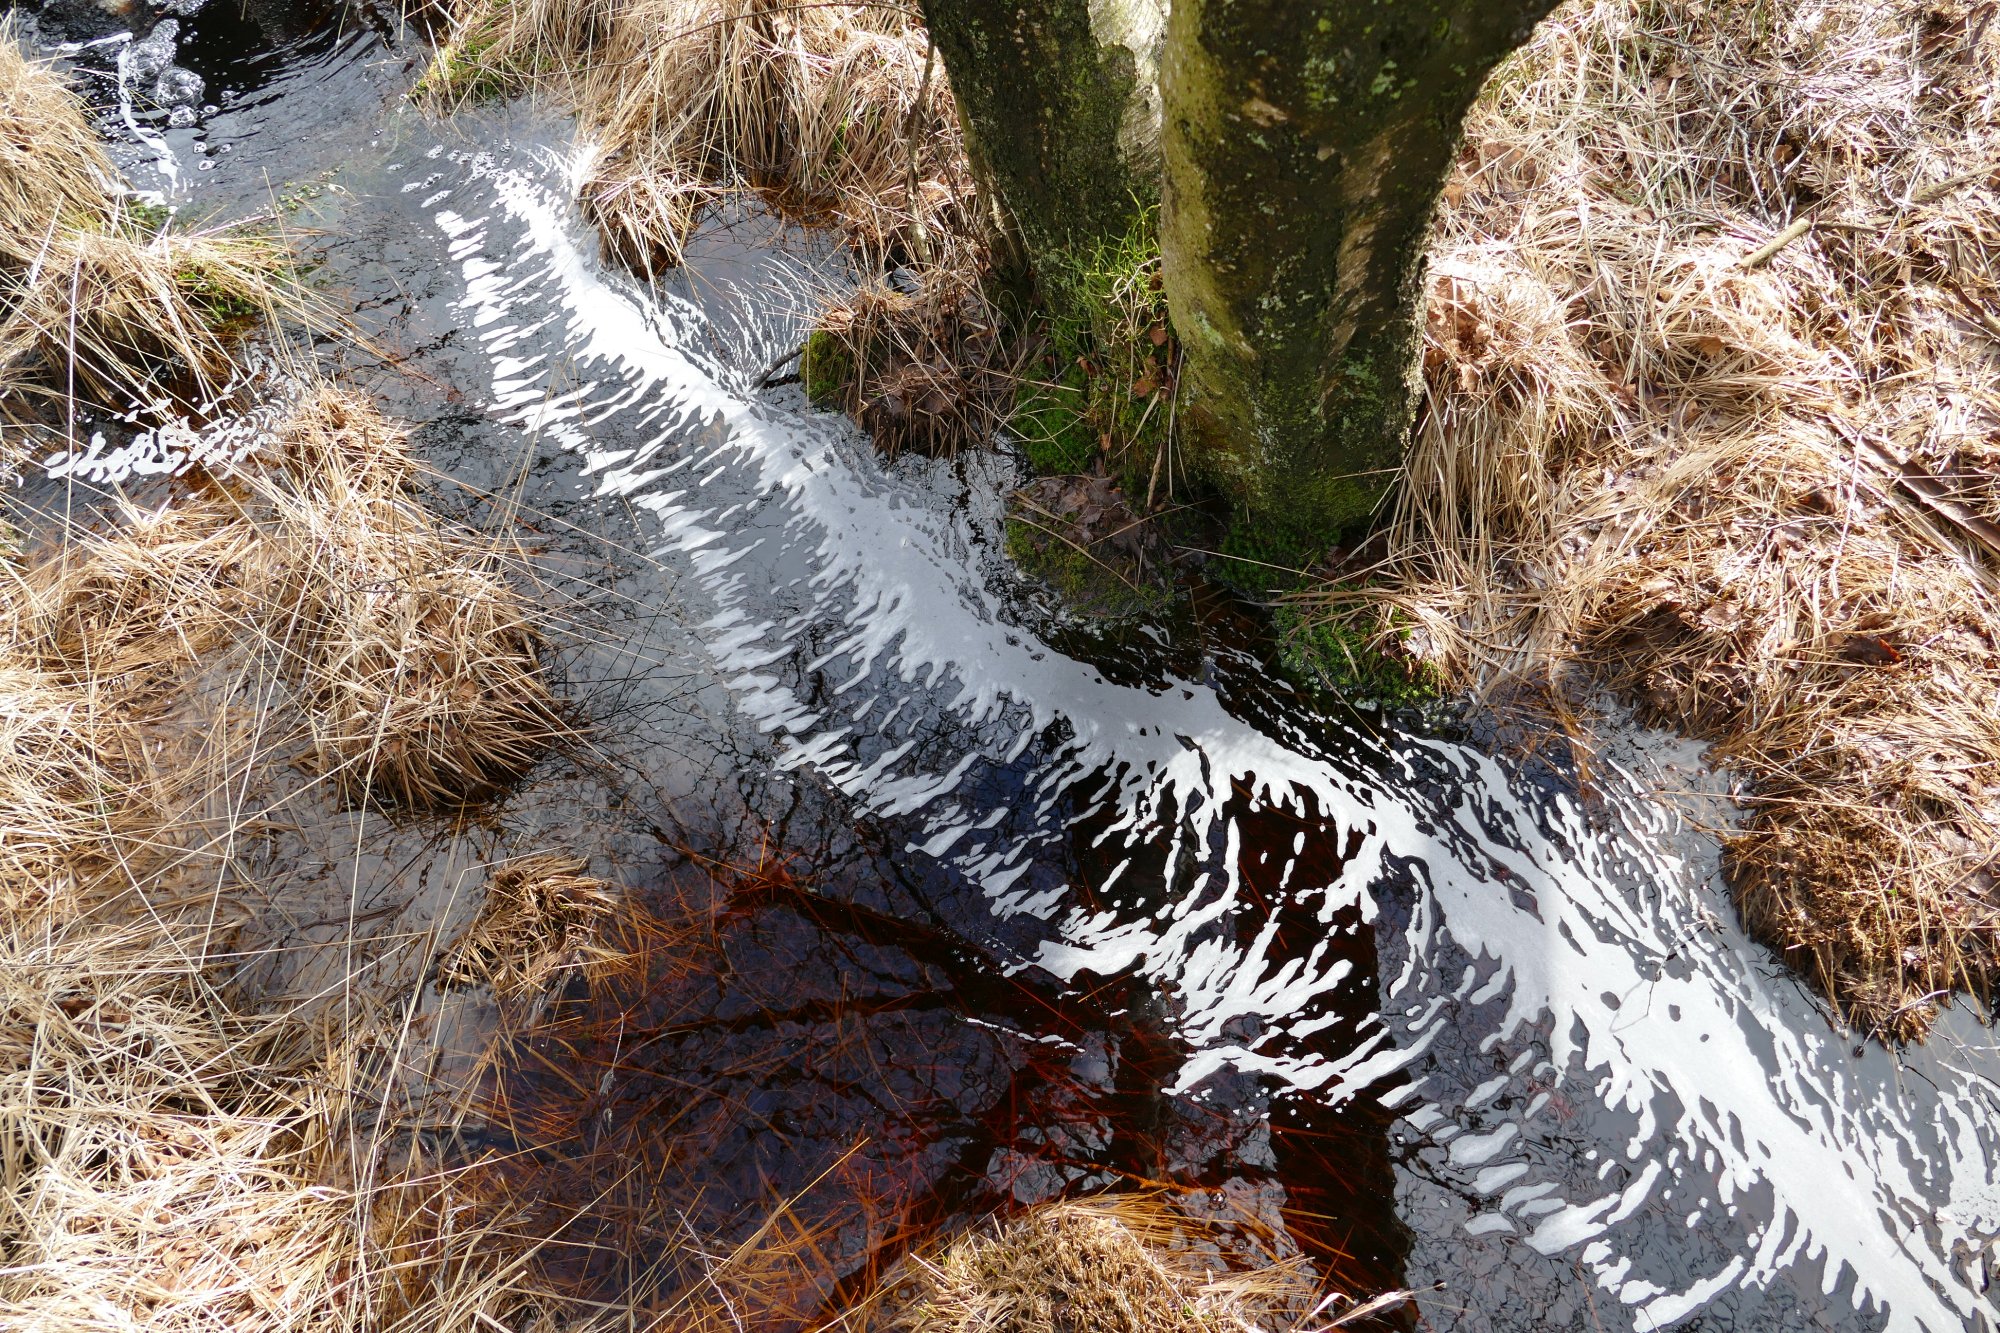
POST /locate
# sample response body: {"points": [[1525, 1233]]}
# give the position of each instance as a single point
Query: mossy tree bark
{"points": [[1061, 109], [1306, 143]]}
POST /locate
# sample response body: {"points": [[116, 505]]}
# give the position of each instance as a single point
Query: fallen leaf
{"points": [[1870, 650]]}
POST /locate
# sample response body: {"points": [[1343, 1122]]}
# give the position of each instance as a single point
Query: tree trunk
{"points": [[1061, 109], [1306, 143]]}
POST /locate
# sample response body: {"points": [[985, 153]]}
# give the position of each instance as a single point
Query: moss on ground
{"points": [[1102, 588], [1052, 426], [1112, 364], [1057, 564], [147, 215], [1326, 653], [1106, 386], [462, 70], [826, 369], [1264, 556], [220, 298]]}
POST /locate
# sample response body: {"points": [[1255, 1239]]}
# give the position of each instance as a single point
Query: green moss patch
{"points": [[466, 70], [826, 369], [1110, 376], [1051, 422], [1262, 555], [1079, 536], [148, 216], [1326, 652], [224, 294]]}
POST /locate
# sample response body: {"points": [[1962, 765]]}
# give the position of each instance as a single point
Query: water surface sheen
{"points": [[1524, 1019]]}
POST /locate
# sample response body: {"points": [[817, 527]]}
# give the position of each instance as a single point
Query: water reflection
{"points": [[1526, 1018], [1607, 1079]]}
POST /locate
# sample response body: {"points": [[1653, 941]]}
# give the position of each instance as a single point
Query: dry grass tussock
{"points": [[833, 113], [93, 299], [1712, 420], [176, 1153], [1119, 1263], [160, 1145], [838, 115], [417, 658], [176, 1158], [543, 920], [418, 674]]}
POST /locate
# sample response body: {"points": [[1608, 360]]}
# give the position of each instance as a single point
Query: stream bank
{"points": [[1545, 1067]]}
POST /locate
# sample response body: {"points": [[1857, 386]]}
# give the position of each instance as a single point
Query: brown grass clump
{"points": [[95, 301], [927, 368], [175, 1157], [833, 113], [1712, 420], [52, 164], [174, 1154], [540, 923], [837, 115], [66, 783], [417, 666], [158, 1142], [131, 611], [1119, 1264], [420, 667]]}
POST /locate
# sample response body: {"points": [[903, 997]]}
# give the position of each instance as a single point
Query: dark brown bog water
{"points": [[1032, 909]]}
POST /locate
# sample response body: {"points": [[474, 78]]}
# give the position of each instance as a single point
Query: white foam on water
{"points": [[1644, 1004], [164, 160]]}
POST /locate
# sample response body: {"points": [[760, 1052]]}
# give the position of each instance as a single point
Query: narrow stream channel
{"points": [[1476, 1031]]}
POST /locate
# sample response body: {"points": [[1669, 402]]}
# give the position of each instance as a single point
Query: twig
{"points": [[1930, 194], [920, 237], [1081, 550], [1388, 1300], [1935, 496], [1224, 555], [1979, 312], [1153, 481], [1810, 219], [1143, 518], [764, 380], [1764, 254]]}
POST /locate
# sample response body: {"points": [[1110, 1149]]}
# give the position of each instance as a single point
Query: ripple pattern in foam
{"points": [[1597, 1063]]}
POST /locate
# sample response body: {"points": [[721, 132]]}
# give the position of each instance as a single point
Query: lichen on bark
{"points": [[1061, 110], [1305, 145]]}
